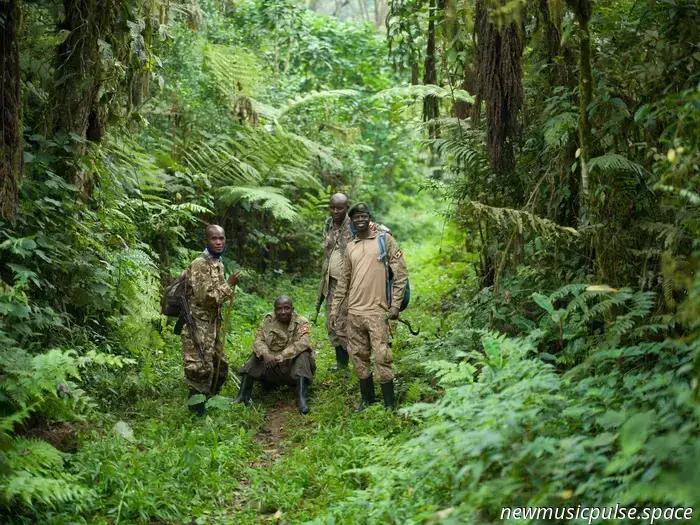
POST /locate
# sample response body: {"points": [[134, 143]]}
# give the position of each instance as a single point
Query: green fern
{"points": [[508, 219], [616, 162], [235, 72], [313, 97], [267, 197], [419, 92]]}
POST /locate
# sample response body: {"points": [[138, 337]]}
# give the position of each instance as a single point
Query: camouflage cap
{"points": [[359, 207]]}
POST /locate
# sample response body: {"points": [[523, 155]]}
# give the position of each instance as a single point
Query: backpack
{"points": [[390, 275], [171, 303]]}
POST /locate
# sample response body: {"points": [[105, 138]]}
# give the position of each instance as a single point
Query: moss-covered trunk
{"points": [[11, 154]]}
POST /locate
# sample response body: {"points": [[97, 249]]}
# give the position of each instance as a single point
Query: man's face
{"points": [[338, 209], [283, 311], [216, 240], [361, 221]]}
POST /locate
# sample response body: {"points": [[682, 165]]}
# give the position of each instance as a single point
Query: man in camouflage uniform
{"points": [[207, 291], [337, 233], [364, 285], [281, 354]]}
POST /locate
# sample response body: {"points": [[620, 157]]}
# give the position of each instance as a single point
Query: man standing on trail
{"points": [[281, 354], [337, 233], [207, 291], [363, 284]]}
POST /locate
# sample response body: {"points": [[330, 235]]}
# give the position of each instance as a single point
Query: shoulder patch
{"points": [[398, 254], [303, 330]]}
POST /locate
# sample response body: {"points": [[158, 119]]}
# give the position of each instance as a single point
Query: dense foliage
{"points": [[537, 162]]}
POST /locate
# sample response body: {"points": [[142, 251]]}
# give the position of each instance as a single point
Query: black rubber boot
{"points": [[342, 358], [199, 407], [246, 391], [367, 393], [302, 395], [388, 393]]}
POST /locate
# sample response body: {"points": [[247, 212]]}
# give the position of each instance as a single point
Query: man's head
{"points": [[338, 207], [360, 215], [216, 239], [284, 309]]}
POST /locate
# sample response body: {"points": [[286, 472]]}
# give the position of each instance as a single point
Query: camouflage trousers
{"points": [[285, 373], [337, 336], [199, 373], [365, 333]]}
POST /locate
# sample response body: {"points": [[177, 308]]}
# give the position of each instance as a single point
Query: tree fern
{"points": [[313, 97], [235, 72], [267, 197], [419, 92]]}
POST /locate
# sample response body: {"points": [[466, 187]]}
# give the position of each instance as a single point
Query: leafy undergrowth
{"points": [[142, 457]]}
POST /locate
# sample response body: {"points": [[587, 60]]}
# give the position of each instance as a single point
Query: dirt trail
{"points": [[270, 437], [272, 433]]}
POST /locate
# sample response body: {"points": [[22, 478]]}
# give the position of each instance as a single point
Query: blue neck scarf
{"points": [[215, 255]]}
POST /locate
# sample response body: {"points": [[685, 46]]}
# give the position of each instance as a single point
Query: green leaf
{"points": [[124, 431], [196, 399], [634, 433], [544, 302], [220, 403]]}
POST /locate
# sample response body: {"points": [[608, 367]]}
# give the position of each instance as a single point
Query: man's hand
{"points": [[271, 360], [393, 313], [234, 278], [331, 321]]}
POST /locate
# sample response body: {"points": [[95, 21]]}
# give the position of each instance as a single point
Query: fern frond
{"points": [[25, 487], [267, 197], [508, 219], [616, 162], [236, 72], [419, 92], [558, 130], [574, 289], [315, 96], [34, 455]]}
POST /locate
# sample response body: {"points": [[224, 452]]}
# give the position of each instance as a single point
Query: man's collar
{"points": [[372, 235]]}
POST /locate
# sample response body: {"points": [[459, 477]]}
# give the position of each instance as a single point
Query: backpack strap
{"points": [[384, 259]]}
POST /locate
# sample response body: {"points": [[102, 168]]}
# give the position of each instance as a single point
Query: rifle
{"points": [[318, 308], [186, 318]]}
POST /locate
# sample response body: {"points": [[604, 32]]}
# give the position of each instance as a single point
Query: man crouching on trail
{"points": [[364, 282], [202, 343], [281, 354]]}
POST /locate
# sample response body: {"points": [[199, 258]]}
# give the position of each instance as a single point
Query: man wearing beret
{"points": [[363, 284]]}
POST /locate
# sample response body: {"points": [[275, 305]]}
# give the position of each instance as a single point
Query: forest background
{"points": [[537, 161]]}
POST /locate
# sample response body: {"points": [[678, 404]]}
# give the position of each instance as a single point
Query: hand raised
{"points": [[234, 278]]}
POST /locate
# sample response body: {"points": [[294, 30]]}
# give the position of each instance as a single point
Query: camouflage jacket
{"points": [[208, 288], [340, 237], [277, 338]]}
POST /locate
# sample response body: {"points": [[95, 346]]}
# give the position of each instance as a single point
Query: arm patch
{"points": [[303, 330], [398, 254]]}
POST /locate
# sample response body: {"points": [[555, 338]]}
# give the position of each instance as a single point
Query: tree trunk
{"points": [[431, 108], [11, 153], [500, 85], [583, 10], [79, 79], [381, 8]]}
